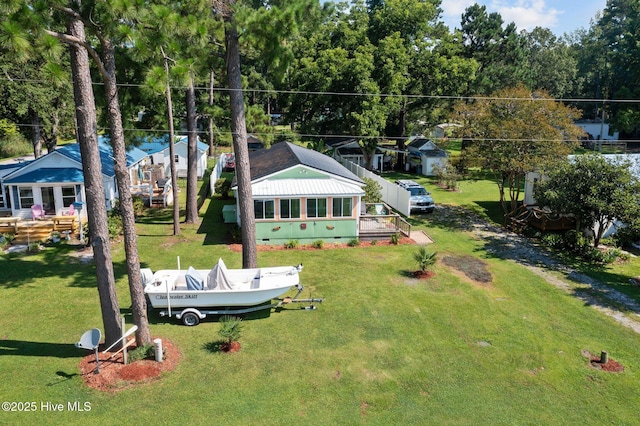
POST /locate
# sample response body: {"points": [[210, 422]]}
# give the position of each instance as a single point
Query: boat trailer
{"points": [[192, 316]]}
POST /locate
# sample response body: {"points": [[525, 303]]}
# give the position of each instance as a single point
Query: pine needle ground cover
{"points": [[384, 348]]}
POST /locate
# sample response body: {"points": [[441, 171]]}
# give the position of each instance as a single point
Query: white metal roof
{"points": [[304, 187]]}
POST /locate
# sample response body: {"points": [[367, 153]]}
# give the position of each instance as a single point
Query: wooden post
{"points": [[604, 357], [124, 352]]}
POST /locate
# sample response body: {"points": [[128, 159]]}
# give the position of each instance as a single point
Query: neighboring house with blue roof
{"points": [[56, 180], [304, 195], [5, 170], [158, 150]]}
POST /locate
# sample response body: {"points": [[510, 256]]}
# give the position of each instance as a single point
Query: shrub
{"points": [[114, 224], [624, 237], [372, 191], [353, 243], [318, 244], [448, 176], [138, 205], [291, 244], [424, 258], [553, 240], [142, 352], [395, 238], [222, 187], [374, 242], [5, 240], [611, 255], [576, 242]]}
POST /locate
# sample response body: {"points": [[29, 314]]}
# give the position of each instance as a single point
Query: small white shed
{"points": [[428, 156]]}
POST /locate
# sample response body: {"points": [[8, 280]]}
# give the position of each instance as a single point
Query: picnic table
{"points": [[63, 221], [9, 223]]}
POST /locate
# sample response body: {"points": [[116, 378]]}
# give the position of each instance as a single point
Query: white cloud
{"points": [[452, 10], [527, 14]]}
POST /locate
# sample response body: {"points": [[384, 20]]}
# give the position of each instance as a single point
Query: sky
{"points": [[560, 16]]}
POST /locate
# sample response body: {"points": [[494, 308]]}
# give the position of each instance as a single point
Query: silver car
{"points": [[420, 198]]}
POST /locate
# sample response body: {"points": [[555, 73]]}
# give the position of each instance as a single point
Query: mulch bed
{"points": [[611, 365], [237, 248], [115, 376], [423, 275]]}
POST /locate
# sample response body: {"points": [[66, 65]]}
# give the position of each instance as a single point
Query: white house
{"points": [[425, 156], [348, 149], [158, 150], [56, 180], [445, 130], [5, 170], [598, 130]]}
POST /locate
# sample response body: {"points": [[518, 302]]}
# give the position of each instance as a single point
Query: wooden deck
{"points": [[29, 231], [373, 226]]}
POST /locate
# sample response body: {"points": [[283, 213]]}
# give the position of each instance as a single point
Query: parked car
{"points": [[420, 198]]}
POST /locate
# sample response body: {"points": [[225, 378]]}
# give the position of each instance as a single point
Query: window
{"points": [[26, 197], [68, 195], [290, 209], [264, 209], [316, 207], [342, 207], [176, 158]]}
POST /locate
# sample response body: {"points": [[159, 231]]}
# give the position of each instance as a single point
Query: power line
{"points": [[354, 94], [337, 136]]}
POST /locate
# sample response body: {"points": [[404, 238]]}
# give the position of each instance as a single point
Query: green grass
{"points": [[382, 349]]}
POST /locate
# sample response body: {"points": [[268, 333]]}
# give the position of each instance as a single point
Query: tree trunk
{"points": [[402, 125], [138, 301], [191, 214], [51, 140], [212, 146], [36, 138], [172, 152], [501, 179], [94, 187], [239, 131]]}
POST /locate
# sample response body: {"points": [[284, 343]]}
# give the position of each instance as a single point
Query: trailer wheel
{"points": [[190, 319]]}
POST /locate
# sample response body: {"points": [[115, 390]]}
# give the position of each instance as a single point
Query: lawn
{"points": [[383, 348]]}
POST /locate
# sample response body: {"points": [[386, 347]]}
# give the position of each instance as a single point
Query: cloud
{"points": [[453, 10], [527, 14]]}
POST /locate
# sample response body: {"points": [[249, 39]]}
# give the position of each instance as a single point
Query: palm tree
{"points": [[424, 258]]}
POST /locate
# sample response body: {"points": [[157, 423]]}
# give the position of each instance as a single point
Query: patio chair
{"points": [[37, 212]]}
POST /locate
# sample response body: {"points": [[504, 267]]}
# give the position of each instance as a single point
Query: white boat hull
{"points": [[242, 287]]}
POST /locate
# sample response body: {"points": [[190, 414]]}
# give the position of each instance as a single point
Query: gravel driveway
{"points": [[513, 247]]}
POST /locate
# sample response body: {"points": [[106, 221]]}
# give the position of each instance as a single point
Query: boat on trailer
{"points": [[193, 294]]}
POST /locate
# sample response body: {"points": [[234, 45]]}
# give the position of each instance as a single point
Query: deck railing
{"points": [[384, 224]]}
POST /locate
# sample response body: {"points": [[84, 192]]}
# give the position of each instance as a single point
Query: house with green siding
{"points": [[304, 195]]}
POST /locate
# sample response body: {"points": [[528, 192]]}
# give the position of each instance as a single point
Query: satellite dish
{"points": [[90, 339]]}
